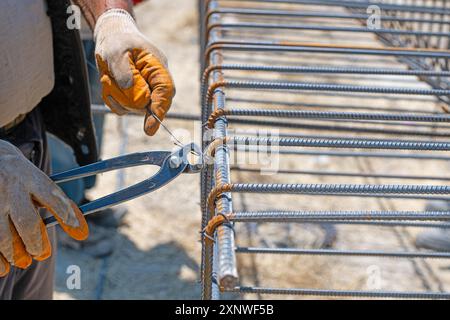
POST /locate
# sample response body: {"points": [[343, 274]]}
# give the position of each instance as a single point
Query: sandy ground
{"points": [[157, 253]]}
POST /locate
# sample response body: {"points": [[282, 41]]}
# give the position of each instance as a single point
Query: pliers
{"points": [[172, 165]]}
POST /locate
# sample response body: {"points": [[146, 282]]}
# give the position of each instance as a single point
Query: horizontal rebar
{"points": [[302, 114], [397, 156], [341, 143], [340, 174], [335, 127], [332, 70], [389, 224], [397, 127], [375, 195], [324, 87], [361, 4], [355, 253], [278, 103], [342, 293], [382, 97], [291, 216], [282, 136], [275, 135], [359, 189], [326, 28], [414, 219], [285, 46], [369, 61], [311, 14]]}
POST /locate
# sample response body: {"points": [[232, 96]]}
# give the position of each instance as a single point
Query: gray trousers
{"points": [[36, 282]]}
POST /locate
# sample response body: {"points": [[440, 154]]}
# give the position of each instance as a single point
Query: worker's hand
{"points": [[24, 189], [134, 73]]}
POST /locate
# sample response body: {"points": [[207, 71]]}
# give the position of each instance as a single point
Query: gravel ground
{"points": [[157, 252]]}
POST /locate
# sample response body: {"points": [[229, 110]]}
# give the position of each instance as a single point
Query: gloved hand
{"points": [[133, 72], [24, 189]]}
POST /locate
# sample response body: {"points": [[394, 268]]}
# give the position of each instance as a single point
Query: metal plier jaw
{"points": [[172, 165]]}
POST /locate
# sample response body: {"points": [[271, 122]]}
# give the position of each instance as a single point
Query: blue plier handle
{"points": [[172, 165]]}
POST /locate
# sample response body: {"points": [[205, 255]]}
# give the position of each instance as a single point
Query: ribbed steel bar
{"points": [[389, 224], [396, 156], [392, 123], [343, 174], [332, 70], [355, 253], [226, 272], [371, 195], [278, 103], [290, 216], [250, 133], [312, 14], [408, 31], [225, 236], [319, 70], [342, 293], [261, 85], [393, 191], [423, 99], [341, 143], [251, 25], [340, 189], [358, 4], [336, 127], [301, 114], [284, 46], [209, 268]]}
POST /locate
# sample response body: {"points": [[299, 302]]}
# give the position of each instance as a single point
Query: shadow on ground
{"points": [[165, 271]]}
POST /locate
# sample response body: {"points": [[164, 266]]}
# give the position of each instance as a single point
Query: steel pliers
{"points": [[172, 165]]}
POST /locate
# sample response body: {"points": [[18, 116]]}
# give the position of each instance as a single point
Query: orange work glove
{"points": [[24, 189], [134, 73]]}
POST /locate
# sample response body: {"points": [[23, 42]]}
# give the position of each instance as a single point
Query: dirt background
{"points": [[157, 253]]}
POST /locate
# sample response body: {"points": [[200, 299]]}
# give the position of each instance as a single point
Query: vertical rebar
{"points": [[227, 271]]}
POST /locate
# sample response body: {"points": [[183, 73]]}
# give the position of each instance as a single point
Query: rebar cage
{"points": [[351, 99]]}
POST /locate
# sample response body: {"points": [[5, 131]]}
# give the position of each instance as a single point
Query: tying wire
{"points": [[175, 140]]}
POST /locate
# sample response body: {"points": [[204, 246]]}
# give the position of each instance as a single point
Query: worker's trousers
{"points": [[36, 282]]}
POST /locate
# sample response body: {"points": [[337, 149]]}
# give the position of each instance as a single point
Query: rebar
{"points": [[340, 188], [322, 28], [258, 69], [343, 174], [356, 4], [312, 14], [336, 127], [335, 115], [342, 143], [289, 216], [355, 253], [255, 46], [225, 266], [341, 293]]}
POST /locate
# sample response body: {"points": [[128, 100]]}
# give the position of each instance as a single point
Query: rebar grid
{"points": [[286, 50]]}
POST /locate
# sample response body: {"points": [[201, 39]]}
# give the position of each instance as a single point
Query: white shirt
{"points": [[26, 57]]}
